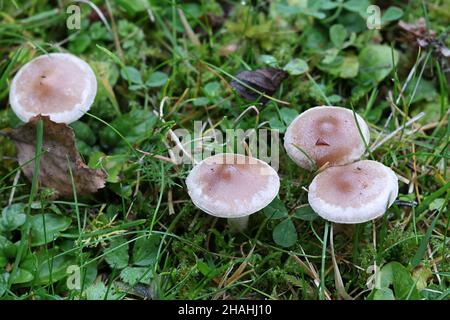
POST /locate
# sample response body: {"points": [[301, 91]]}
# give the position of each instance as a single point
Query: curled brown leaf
{"points": [[58, 150], [425, 37], [264, 80]]}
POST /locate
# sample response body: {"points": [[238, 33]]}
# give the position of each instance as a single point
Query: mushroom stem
{"points": [[238, 224]]}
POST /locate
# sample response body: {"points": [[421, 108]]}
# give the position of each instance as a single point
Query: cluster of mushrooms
{"points": [[346, 190], [234, 186]]}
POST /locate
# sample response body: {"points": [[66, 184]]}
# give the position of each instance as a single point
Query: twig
{"points": [[171, 133], [393, 133], [98, 12], [386, 124], [374, 241], [157, 156], [67, 39], [170, 202], [313, 272], [414, 175], [138, 178], [151, 16], [408, 79], [246, 111], [190, 33], [433, 125], [239, 273], [13, 191], [114, 32], [337, 274], [436, 271]]}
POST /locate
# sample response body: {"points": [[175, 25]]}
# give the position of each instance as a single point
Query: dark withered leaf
{"points": [[58, 146], [418, 28], [265, 80], [227, 7], [93, 16], [212, 20], [425, 37]]}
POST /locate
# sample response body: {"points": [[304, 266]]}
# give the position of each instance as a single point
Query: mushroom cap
{"points": [[353, 193], [232, 185], [325, 134], [58, 85]]}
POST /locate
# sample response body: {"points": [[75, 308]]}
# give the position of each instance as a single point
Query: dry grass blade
{"points": [[337, 274]]}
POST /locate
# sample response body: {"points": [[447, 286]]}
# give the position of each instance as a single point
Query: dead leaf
{"points": [[418, 28], [93, 16], [265, 80], [58, 146], [211, 20], [425, 37], [214, 21]]}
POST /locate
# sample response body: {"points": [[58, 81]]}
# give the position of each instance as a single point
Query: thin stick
{"points": [[322, 268], [138, 178], [98, 12], [393, 133], [171, 133], [114, 33], [13, 191], [315, 275], [408, 79], [337, 274], [435, 269], [374, 239], [245, 111], [190, 33], [388, 120], [157, 156], [170, 202]]}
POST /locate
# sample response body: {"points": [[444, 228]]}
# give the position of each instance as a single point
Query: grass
{"points": [[142, 238]]}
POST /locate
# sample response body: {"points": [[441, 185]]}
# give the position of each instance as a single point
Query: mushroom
{"points": [[58, 85], [353, 193], [326, 134], [232, 186]]}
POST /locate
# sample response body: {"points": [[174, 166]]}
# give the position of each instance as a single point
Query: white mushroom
{"points": [[326, 134], [232, 186], [353, 193], [58, 85]]}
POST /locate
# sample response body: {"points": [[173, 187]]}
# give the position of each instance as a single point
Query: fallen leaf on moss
{"points": [[58, 147], [425, 37], [265, 80], [211, 20]]}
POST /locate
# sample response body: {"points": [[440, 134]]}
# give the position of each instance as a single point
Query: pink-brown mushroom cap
{"points": [[326, 134], [353, 193], [232, 185], [58, 85]]}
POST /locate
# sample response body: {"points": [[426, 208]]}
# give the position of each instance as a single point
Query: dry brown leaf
{"points": [[265, 80], [58, 146], [426, 37]]}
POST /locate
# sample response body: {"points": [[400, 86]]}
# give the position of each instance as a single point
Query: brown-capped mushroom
{"points": [[326, 134], [232, 186], [353, 193], [58, 85]]}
